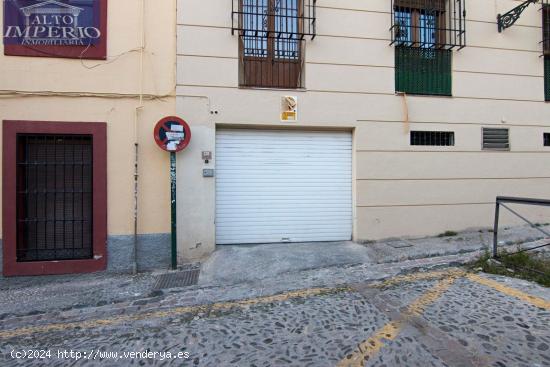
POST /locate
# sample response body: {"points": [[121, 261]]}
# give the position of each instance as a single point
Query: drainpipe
{"points": [[136, 144]]}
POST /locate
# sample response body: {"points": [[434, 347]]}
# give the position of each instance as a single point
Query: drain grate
{"points": [[177, 280]]}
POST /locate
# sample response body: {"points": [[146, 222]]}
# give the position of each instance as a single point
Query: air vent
{"points": [[547, 139], [496, 139], [433, 138]]}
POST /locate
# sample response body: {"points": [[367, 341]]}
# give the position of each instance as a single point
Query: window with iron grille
{"points": [[433, 138], [271, 41], [547, 78], [546, 48], [437, 24], [546, 27], [425, 32], [546, 138], [54, 197], [496, 139]]}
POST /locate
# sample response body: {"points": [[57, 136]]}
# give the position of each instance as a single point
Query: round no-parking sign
{"points": [[172, 134]]}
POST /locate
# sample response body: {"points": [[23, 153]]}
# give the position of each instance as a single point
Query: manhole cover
{"points": [[177, 280]]}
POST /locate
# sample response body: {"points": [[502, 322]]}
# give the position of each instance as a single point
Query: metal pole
{"points": [[173, 209], [495, 230]]}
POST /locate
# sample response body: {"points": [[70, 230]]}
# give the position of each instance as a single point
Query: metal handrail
{"points": [[501, 201]]}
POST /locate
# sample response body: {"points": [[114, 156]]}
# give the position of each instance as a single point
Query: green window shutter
{"points": [[423, 71], [547, 78]]}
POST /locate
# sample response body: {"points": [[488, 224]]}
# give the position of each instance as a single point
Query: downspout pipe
{"points": [[136, 135]]}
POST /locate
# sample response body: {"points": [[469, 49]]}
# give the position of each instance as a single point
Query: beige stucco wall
{"points": [[108, 91], [349, 77]]}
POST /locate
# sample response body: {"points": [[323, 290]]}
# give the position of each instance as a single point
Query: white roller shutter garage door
{"points": [[283, 186]]}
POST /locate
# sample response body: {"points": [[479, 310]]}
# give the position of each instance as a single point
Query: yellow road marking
{"points": [[391, 330], [414, 277], [536, 301], [170, 312]]}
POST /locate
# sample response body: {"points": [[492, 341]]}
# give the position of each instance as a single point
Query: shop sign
{"points": [[58, 28]]}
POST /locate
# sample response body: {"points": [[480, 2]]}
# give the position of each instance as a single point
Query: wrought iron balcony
{"points": [[271, 41], [435, 24], [291, 19], [546, 27]]}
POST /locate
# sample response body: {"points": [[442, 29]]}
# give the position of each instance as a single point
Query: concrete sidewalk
{"points": [[252, 263], [237, 264]]}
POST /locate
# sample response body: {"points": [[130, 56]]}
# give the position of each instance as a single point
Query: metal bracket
{"points": [[509, 19]]}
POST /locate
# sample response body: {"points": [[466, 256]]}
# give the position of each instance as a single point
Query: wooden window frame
{"points": [[98, 131], [415, 28], [266, 72]]}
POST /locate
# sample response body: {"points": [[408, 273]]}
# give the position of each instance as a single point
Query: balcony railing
{"points": [[293, 19], [436, 24], [272, 34], [546, 27]]}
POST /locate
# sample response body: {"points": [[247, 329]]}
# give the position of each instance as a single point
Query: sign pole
{"points": [[173, 209], [172, 134]]}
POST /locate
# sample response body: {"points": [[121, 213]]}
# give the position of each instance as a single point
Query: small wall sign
{"points": [[56, 28], [289, 109], [172, 134]]}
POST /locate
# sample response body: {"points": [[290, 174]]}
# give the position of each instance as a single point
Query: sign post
{"points": [[173, 135], [173, 216]]}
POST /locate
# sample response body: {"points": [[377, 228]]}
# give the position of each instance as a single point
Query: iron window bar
{"points": [[547, 78], [271, 41], [292, 19], [502, 201], [433, 138], [429, 24], [546, 27], [54, 197]]}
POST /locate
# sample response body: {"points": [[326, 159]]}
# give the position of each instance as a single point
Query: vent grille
{"points": [[496, 139], [433, 138], [547, 139]]}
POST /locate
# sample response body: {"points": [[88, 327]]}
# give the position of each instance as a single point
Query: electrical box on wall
{"points": [[207, 172], [206, 156], [289, 109]]}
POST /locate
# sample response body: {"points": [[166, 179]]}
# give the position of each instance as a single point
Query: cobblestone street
{"points": [[437, 318]]}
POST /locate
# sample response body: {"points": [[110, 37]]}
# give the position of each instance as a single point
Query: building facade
{"points": [[311, 120], [339, 120], [82, 84]]}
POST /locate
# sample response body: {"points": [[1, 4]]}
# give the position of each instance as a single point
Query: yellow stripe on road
{"points": [[222, 306], [535, 301], [115, 320], [371, 346], [414, 277], [391, 330]]}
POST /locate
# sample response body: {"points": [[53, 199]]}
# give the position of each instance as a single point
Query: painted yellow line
{"points": [[367, 349], [89, 324], [115, 320], [371, 346], [414, 277], [535, 301]]}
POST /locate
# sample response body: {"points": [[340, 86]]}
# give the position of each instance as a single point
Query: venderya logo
{"points": [[51, 22]]}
